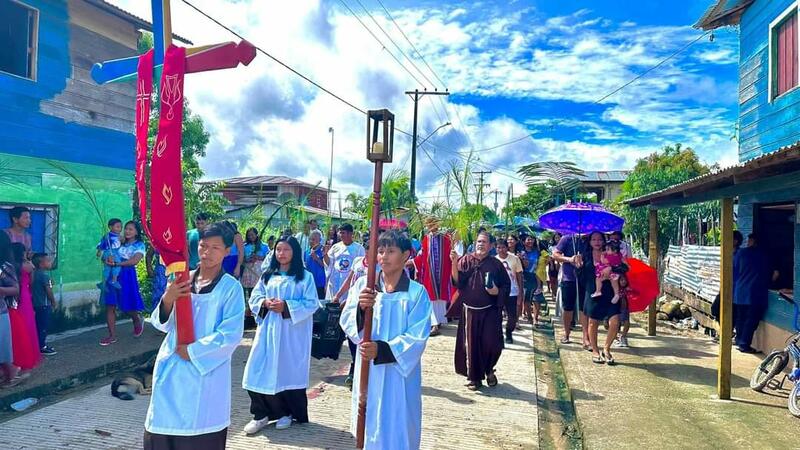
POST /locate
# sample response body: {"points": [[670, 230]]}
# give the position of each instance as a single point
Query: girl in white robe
{"points": [[276, 375], [190, 407], [400, 329]]}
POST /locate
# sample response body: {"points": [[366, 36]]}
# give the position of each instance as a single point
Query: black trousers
{"points": [[745, 321], [511, 314], [321, 292], [353, 347], [42, 322], [210, 441], [292, 402]]}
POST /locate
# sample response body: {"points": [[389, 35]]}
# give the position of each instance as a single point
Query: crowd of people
{"points": [[277, 286]]}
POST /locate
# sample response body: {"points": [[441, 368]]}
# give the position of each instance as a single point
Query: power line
{"points": [[606, 96], [383, 46], [412, 45], [337, 97], [395, 44], [317, 85]]}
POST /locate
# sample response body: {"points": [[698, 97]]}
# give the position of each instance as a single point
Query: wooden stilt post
{"points": [[725, 300], [653, 252]]}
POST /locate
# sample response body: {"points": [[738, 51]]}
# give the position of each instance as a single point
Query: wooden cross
{"points": [[226, 55], [197, 59]]}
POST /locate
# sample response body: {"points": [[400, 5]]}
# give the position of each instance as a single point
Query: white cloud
{"points": [[265, 120]]}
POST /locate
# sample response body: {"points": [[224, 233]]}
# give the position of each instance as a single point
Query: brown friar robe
{"points": [[479, 341]]}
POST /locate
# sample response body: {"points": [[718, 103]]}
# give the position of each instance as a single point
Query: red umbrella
{"points": [[642, 285]]}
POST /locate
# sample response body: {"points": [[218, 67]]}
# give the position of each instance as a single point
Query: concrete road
{"points": [[504, 417]]}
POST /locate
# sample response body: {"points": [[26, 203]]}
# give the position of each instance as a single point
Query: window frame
{"points": [[33, 47], [794, 8]]}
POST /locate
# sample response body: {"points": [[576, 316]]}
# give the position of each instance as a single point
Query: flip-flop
{"points": [[598, 359], [609, 359], [565, 340]]}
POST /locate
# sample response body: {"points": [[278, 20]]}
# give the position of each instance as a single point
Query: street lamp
{"points": [[434, 132], [330, 175]]}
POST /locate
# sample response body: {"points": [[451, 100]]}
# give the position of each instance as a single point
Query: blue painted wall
{"points": [[25, 131], [764, 126]]}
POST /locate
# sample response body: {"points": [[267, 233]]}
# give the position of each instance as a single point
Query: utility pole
{"points": [[415, 95], [496, 192], [481, 184]]}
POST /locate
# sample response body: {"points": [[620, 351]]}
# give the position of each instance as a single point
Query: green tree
{"points": [[535, 201], [672, 165]]}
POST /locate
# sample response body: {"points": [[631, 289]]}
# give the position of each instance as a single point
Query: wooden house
{"points": [[766, 182], [66, 144]]}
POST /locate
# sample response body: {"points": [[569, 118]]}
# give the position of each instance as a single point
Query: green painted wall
{"points": [[34, 180]]}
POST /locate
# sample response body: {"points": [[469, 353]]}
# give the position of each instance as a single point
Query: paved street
{"points": [[504, 417]]}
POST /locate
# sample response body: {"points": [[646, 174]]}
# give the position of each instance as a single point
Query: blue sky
{"points": [[513, 68]]}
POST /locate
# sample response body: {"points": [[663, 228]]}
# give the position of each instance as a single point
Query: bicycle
{"points": [[775, 362]]}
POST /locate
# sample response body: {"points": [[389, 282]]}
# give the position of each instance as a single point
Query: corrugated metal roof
{"points": [[605, 175], [261, 180], [721, 13], [132, 18], [784, 155]]}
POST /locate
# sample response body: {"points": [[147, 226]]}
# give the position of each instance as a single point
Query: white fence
{"points": [[693, 268]]}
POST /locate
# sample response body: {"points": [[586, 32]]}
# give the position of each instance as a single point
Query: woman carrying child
{"points": [[604, 270], [128, 299]]}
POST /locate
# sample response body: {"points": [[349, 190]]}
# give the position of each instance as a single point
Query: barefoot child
{"points": [[191, 402], [401, 326], [108, 251], [604, 270]]}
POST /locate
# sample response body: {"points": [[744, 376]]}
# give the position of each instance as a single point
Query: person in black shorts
{"points": [[567, 252]]}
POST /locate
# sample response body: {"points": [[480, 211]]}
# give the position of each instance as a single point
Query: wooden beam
{"points": [[653, 252], [726, 300]]}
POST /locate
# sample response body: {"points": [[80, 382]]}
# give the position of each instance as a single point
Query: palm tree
{"points": [[560, 178]]}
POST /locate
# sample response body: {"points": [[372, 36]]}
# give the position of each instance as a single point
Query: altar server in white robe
{"points": [[400, 328], [191, 403], [276, 375]]}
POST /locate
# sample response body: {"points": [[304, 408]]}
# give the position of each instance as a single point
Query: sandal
{"points": [[472, 386], [598, 359], [609, 359], [565, 340], [491, 380]]}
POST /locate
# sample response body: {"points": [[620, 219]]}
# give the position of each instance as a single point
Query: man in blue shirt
{"points": [[751, 275]]}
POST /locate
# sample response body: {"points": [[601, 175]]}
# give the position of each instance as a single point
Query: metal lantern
{"points": [[380, 149]]}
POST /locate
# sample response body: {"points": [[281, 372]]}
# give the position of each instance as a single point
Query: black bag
{"points": [[327, 336]]}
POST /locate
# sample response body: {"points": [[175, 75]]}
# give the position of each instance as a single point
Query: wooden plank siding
{"points": [[764, 126], [63, 114]]}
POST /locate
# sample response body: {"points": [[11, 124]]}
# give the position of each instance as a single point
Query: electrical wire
{"points": [[383, 46], [412, 45], [395, 44], [606, 96]]}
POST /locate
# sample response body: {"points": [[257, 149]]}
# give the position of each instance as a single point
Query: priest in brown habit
{"points": [[483, 286]]}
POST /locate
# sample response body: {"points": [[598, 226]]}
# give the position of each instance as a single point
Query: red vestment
{"points": [[433, 266]]}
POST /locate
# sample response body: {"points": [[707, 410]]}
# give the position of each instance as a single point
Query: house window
{"points": [[784, 55], [18, 32], [43, 229]]}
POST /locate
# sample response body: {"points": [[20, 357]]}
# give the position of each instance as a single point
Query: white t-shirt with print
{"points": [[342, 258]]}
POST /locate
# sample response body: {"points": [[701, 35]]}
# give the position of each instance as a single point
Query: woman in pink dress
{"points": [[24, 340]]}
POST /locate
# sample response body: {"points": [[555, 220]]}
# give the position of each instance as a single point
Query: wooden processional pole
{"points": [[377, 152]]}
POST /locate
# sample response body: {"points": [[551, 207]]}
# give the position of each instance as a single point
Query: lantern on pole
{"points": [[380, 124]]}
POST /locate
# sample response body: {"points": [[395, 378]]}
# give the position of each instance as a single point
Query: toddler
{"points": [[108, 250], [604, 270]]}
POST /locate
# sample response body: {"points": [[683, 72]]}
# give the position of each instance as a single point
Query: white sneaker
{"points": [[284, 423], [254, 426]]}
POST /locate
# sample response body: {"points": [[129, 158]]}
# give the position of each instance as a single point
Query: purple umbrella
{"points": [[580, 218]]}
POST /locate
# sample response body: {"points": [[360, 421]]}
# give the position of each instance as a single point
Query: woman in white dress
{"points": [[276, 375]]}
